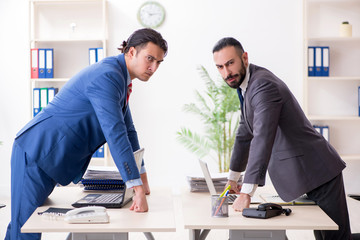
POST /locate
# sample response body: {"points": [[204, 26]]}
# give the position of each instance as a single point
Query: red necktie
{"points": [[129, 90]]}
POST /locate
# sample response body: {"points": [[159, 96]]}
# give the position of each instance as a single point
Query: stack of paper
{"points": [[197, 183]]}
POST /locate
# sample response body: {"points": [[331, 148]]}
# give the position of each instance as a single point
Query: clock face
{"points": [[151, 14]]}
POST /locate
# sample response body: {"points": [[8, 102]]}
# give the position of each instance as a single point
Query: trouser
{"points": [[331, 198], [30, 186]]}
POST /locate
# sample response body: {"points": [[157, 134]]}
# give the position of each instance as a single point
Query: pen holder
{"points": [[219, 206]]}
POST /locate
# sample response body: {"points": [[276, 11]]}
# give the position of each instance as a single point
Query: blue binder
{"points": [[311, 61], [100, 152], [99, 54], [36, 101], [51, 93], [325, 61], [42, 62], [92, 56], [318, 61], [323, 130], [49, 73], [43, 98]]}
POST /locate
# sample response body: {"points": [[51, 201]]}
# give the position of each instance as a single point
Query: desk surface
{"points": [[196, 211], [160, 217]]}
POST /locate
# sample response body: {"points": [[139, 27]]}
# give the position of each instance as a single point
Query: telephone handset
{"points": [[91, 214], [266, 210]]}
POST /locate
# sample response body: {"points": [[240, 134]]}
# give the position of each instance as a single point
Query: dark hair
{"points": [[141, 37], [228, 41]]}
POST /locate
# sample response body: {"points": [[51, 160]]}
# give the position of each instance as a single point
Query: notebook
{"points": [[210, 185], [111, 200]]}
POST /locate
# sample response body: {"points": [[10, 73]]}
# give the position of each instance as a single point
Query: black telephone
{"points": [[266, 210]]}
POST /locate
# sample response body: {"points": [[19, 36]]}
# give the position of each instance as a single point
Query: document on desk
{"points": [[273, 198]]}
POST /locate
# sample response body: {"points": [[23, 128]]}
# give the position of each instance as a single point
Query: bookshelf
{"points": [[333, 100], [70, 28]]}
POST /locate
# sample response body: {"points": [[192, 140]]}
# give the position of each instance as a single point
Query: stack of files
{"points": [[318, 61], [197, 183], [42, 63], [42, 97], [95, 55], [102, 178]]}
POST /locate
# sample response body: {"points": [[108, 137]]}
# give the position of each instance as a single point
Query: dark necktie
{"points": [[241, 98]]}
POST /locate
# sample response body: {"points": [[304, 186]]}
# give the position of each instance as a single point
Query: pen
{"points": [[227, 189]]}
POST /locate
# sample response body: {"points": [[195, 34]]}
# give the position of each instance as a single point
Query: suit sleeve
{"points": [[106, 95], [266, 105], [240, 152], [132, 134]]}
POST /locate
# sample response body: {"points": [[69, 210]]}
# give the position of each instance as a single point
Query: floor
{"points": [[180, 234]]}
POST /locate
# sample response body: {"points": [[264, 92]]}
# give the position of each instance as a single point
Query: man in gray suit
{"points": [[275, 136]]}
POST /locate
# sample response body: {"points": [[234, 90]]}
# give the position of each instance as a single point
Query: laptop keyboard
{"points": [[231, 198], [108, 198]]}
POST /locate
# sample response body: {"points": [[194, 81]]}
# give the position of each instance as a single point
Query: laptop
{"points": [[210, 185], [111, 200]]}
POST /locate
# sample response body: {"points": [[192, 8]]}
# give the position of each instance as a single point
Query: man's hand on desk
{"points": [[145, 183], [241, 202], [234, 187], [139, 200]]}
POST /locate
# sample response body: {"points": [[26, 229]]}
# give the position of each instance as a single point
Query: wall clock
{"points": [[151, 14]]}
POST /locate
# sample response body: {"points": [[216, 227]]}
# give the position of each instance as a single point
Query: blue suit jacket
{"points": [[87, 112]]}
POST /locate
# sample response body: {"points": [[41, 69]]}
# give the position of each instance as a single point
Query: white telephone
{"points": [[91, 214]]}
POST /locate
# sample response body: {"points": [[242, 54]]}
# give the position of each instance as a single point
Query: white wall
{"points": [[270, 31]]}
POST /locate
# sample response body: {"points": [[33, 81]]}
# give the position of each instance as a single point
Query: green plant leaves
{"points": [[218, 109]]}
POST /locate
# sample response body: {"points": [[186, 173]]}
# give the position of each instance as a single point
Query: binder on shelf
{"points": [[92, 55], [34, 63], [100, 153], [99, 54], [325, 61], [36, 101], [95, 55], [43, 97], [49, 73], [51, 93], [311, 61], [323, 130], [42, 62], [318, 61]]}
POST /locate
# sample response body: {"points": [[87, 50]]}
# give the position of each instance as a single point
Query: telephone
{"points": [[91, 214], [266, 210]]}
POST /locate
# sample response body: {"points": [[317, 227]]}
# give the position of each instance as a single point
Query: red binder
{"points": [[34, 63]]}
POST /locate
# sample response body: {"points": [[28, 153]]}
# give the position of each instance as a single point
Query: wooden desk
{"points": [[160, 217], [196, 211]]}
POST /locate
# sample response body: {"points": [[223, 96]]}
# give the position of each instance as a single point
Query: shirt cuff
{"points": [[249, 188], [143, 169], [133, 183], [234, 176]]}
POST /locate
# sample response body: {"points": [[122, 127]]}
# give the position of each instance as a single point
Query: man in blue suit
{"points": [[91, 109]]}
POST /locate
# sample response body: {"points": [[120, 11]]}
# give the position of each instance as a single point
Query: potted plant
{"points": [[218, 109]]}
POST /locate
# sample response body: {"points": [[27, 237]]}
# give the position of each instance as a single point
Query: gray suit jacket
{"points": [[275, 135]]}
